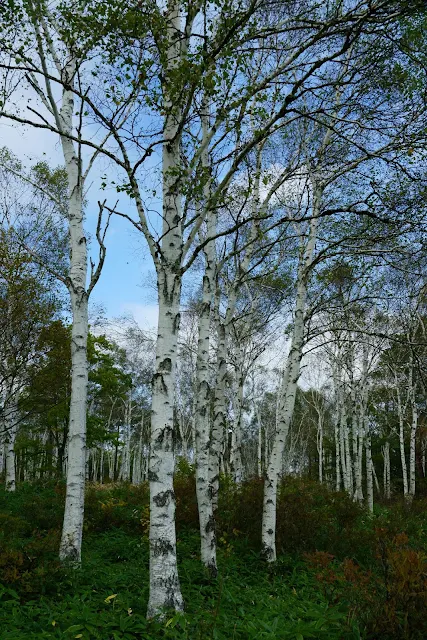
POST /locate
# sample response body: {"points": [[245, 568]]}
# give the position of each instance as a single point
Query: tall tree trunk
{"points": [[369, 474], [412, 444], [72, 529], [348, 461], [220, 410], [165, 590], [345, 444], [337, 422], [164, 582], [357, 439], [320, 445], [423, 455], [71, 539], [203, 396], [402, 442], [290, 381], [386, 472], [11, 429], [259, 425], [337, 458], [236, 436]]}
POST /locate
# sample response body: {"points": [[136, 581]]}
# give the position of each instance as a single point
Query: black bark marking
{"points": [[162, 547], [166, 365], [176, 323], [162, 498], [210, 525]]}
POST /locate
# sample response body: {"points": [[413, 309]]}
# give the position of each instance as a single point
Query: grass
{"points": [[108, 598], [324, 586]]}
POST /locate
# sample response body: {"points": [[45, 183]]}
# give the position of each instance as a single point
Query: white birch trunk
{"points": [[348, 461], [337, 458], [357, 440], [412, 444], [203, 395], [236, 436], [220, 410], [387, 484], [223, 329], [423, 456], [343, 427], [369, 474], [259, 424], [287, 404], [164, 583], [337, 421], [320, 446], [2, 455], [165, 590], [71, 539], [402, 442], [11, 429]]}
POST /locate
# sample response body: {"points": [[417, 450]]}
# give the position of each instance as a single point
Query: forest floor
{"points": [[341, 573]]}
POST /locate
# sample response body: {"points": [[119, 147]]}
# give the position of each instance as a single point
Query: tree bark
{"points": [[11, 429], [369, 475], [71, 539], [165, 590], [412, 444], [290, 381]]}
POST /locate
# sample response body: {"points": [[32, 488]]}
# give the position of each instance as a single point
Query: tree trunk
{"points": [[165, 590], [71, 539], [11, 429], [369, 475], [219, 418], [72, 529], [357, 439], [412, 444], [236, 436], [402, 443], [290, 382], [320, 445], [386, 473], [203, 397]]}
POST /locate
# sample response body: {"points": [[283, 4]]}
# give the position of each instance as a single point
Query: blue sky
{"points": [[124, 283]]}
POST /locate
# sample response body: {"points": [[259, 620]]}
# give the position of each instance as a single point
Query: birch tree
{"points": [[168, 40]]}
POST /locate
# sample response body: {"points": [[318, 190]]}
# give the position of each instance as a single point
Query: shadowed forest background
{"points": [[251, 465]]}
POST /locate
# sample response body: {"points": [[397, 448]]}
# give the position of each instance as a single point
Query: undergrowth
{"points": [[340, 574]]}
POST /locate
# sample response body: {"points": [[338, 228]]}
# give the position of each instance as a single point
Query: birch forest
{"points": [[250, 462]]}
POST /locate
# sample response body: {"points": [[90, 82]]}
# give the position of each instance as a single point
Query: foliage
{"points": [[340, 574]]}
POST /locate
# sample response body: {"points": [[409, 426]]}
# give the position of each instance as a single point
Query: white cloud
{"points": [[146, 315]]}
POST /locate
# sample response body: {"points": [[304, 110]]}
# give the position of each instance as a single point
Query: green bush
{"points": [[341, 573]]}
